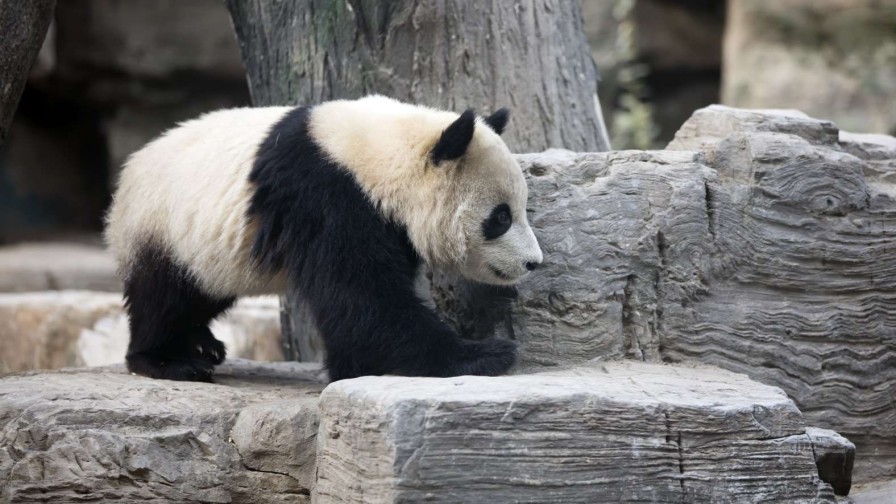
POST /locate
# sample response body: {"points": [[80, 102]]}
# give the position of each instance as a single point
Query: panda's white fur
{"points": [[190, 190], [386, 144], [189, 194]]}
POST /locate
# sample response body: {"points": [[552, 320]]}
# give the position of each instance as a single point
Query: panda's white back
{"points": [[189, 192]]}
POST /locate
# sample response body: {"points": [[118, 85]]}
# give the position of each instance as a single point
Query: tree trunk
{"points": [[23, 26], [529, 56]]}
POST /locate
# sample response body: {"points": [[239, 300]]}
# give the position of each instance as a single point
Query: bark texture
{"points": [[530, 56], [23, 26]]}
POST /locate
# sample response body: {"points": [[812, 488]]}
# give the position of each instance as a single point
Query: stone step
{"points": [[102, 434], [615, 432], [612, 432], [44, 266], [55, 329]]}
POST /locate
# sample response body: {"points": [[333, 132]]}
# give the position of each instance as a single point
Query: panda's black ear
{"points": [[455, 139], [498, 120]]}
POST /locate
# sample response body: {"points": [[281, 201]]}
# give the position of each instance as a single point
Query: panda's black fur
{"points": [[356, 270], [168, 316]]}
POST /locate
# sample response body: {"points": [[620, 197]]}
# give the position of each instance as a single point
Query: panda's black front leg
{"points": [[376, 334]]}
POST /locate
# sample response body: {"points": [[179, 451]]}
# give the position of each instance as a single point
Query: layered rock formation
{"points": [[760, 242], [616, 432], [613, 432], [798, 289]]}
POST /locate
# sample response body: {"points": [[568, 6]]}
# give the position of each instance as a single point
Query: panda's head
{"points": [[484, 197]]}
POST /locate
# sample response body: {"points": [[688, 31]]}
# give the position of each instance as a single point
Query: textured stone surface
{"points": [[40, 330], [834, 457], [830, 58], [798, 289], [55, 329], [764, 247], [57, 266], [616, 432], [280, 437], [608, 224], [104, 435]]}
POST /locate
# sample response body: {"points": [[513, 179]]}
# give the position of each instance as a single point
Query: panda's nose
{"points": [[531, 265]]}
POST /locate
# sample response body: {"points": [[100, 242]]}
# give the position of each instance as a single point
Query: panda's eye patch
{"points": [[498, 222]]}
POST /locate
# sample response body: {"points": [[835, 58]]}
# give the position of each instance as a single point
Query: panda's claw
{"points": [[204, 345]]}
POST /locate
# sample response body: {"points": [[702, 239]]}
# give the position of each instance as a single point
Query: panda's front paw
{"points": [[489, 357], [204, 345], [170, 368]]}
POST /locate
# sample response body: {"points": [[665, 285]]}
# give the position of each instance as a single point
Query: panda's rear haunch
{"points": [[339, 202]]}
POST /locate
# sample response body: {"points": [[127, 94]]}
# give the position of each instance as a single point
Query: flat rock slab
{"points": [[615, 432], [57, 266], [105, 435]]}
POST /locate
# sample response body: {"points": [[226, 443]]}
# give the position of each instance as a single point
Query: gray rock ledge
{"points": [[614, 432], [101, 434]]}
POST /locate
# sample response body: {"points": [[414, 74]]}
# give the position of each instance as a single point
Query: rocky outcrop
{"points": [[797, 291], [615, 432], [263, 433], [51, 330], [834, 456], [760, 242], [105, 435]]}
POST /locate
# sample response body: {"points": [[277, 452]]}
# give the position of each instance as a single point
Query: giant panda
{"points": [[341, 202]]}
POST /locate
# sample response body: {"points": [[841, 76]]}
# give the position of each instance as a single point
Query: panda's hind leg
{"points": [[169, 316]]}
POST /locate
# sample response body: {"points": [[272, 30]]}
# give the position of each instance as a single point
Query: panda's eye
{"points": [[503, 218], [498, 222]]}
